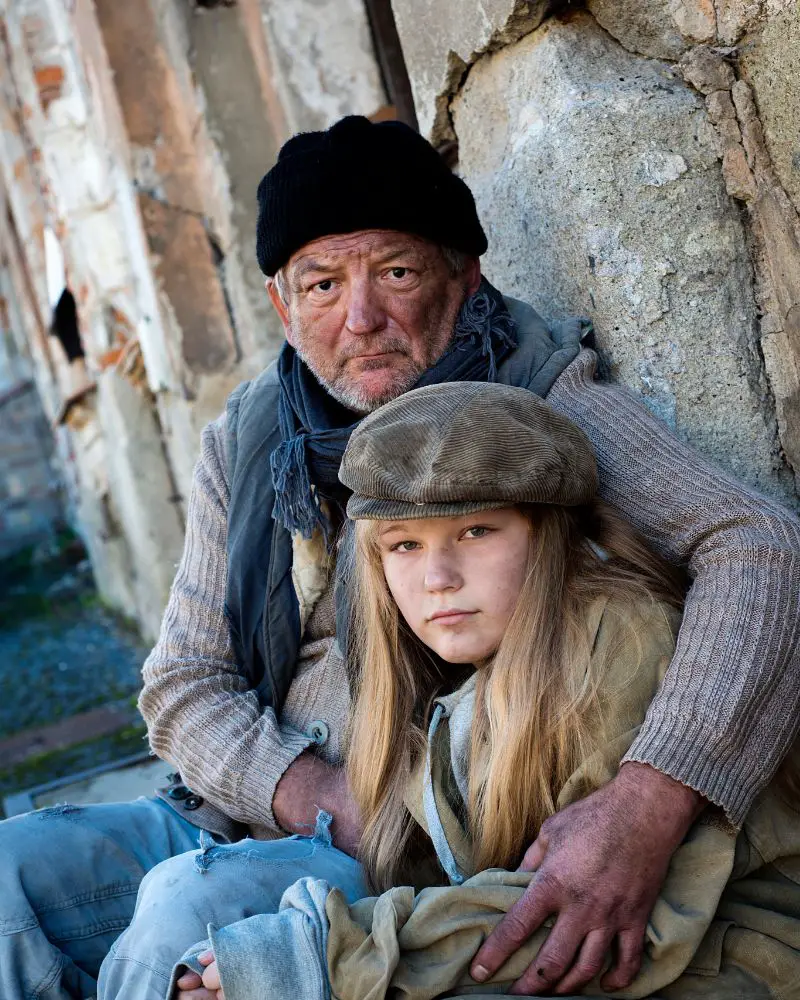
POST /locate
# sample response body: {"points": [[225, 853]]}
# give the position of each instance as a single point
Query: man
{"points": [[371, 250]]}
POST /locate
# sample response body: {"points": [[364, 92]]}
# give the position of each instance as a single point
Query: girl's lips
{"points": [[450, 616]]}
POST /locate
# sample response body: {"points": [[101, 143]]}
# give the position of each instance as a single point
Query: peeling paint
{"points": [[49, 80]]}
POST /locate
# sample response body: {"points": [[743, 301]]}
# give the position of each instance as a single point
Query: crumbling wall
{"points": [[639, 163], [136, 134], [66, 120]]}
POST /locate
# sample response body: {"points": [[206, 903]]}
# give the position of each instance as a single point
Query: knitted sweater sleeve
{"points": [[729, 706], [201, 714]]}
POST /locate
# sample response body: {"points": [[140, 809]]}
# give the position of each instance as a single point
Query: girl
{"points": [[507, 633]]}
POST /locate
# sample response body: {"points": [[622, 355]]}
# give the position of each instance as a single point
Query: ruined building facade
{"points": [[635, 162]]}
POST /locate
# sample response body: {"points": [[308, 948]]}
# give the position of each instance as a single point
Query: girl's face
{"points": [[456, 580]]}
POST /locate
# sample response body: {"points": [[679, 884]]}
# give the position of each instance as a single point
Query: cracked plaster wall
{"points": [[323, 62], [639, 163]]}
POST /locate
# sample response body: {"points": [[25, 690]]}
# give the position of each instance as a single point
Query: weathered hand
{"points": [[600, 864], [308, 785]]}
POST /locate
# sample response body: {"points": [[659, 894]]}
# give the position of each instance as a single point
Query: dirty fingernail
{"points": [[480, 972]]}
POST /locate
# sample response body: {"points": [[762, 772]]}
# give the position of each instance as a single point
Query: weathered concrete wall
{"points": [[323, 61], [630, 164], [441, 41], [30, 507], [31, 491], [76, 152]]}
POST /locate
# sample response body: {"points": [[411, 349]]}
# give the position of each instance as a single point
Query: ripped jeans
{"points": [[69, 878], [218, 884], [68, 882]]}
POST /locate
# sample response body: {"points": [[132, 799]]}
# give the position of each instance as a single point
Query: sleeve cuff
{"points": [[689, 751], [264, 775], [280, 955]]}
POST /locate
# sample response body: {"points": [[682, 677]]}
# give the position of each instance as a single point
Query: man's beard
{"points": [[346, 389]]}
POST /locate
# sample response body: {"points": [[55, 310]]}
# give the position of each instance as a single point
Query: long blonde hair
{"points": [[537, 702]]}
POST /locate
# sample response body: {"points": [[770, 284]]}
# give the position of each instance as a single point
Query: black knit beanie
{"points": [[362, 175]]}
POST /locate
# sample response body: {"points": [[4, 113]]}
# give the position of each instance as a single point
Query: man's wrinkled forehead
{"points": [[374, 245]]}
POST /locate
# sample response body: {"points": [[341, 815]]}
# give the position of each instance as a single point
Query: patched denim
{"points": [[68, 882], [218, 884]]}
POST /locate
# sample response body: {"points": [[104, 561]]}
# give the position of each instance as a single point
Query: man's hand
{"points": [[600, 864], [308, 785]]}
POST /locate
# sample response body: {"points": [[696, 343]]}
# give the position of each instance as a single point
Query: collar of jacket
{"points": [[261, 604]]}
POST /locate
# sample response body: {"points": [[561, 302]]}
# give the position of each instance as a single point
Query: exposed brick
{"points": [[49, 80]]}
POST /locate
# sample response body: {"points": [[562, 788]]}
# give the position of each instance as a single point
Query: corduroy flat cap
{"points": [[362, 175], [459, 447]]}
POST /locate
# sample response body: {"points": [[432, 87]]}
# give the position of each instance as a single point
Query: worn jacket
{"points": [[726, 924]]}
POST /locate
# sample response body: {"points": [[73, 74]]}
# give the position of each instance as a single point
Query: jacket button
{"points": [[179, 792], [319, 733], [192, 802]]}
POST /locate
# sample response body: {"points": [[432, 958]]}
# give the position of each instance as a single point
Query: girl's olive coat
{"points": [[726, 924]]}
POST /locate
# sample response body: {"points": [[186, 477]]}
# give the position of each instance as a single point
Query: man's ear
{"points": [[280, 307], [473, 275]]}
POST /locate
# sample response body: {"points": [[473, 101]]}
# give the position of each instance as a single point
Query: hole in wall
{"points": [[64, 326]]}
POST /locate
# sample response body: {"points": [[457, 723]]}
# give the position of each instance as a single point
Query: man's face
{"points": [[370, 311]]}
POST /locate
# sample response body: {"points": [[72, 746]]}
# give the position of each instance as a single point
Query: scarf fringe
{"points": [[296, 501]]}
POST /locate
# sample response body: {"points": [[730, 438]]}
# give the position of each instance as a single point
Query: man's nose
{"points": [[364, 311], [442, 572]]}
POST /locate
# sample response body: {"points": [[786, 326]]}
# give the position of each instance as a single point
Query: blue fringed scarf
{"points": [[315, 428]]}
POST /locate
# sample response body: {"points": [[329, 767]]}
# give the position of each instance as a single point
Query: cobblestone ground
{"points": [[61, 654]]}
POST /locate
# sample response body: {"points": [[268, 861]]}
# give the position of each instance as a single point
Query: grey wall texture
{"points": [[639, 163]]}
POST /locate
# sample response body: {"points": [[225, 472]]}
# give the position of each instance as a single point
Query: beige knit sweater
{"points": [[728, 708]]}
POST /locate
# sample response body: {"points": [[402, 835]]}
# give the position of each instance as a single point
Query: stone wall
{"points": [[639, 163]]}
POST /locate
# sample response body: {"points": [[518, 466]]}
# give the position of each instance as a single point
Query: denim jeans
{"points": [[219, 884], [68, 882], [69, 878]]}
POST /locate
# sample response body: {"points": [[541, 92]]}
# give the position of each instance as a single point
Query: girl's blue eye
{"points": [[405, 546], [478, 531]]}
